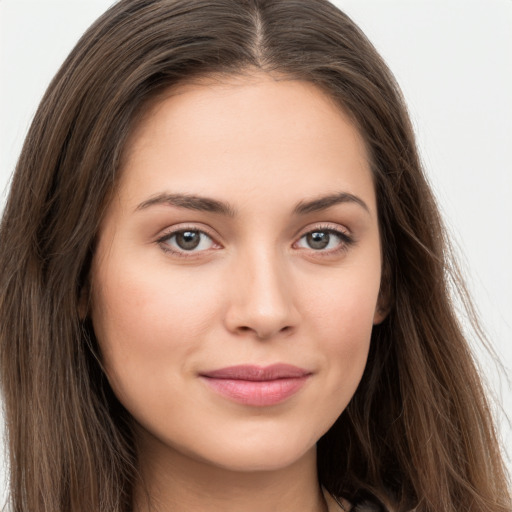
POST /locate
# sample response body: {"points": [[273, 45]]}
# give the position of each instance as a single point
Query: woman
{"points": [[224, 279]]}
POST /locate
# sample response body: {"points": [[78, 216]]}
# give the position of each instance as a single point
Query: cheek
{"points": [[342, 304], [151, 303], [341, 313], [148, 324]]}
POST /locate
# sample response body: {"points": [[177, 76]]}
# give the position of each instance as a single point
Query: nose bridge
{"points": [[262, 297]]}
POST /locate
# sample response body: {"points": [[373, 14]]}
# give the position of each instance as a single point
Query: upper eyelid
{"points": [[170, 231], [194, 227], [346, 237], [333, 227]]}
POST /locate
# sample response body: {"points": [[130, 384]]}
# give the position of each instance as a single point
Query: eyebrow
{"points": [[190, 202], [207, 204], [324, 202]]}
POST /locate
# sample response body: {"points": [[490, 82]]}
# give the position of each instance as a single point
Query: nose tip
{"points": [[263, 328], [262, 303]]}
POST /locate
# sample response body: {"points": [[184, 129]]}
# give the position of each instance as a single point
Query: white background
{"points": [[453, 59]]}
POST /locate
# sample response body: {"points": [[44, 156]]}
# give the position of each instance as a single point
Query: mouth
{"points": [[255, 385]]}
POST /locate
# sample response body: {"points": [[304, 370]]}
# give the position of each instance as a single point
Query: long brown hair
{"points": [[418, 432]]}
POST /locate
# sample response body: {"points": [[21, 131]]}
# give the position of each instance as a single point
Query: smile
{"points": [[257, 386]]}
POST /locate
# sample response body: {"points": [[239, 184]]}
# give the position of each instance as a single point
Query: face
{"points": [[236, 278]]}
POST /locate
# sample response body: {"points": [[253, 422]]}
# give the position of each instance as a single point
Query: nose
{"points": [[262, 299]]}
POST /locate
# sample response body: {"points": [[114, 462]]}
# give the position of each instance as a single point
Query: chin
{"points": [[259, 453], [260, 461]]}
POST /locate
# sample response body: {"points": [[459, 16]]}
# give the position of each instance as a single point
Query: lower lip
{"points": [[257, 393]]}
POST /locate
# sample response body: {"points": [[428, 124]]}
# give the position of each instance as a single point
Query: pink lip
{"points": [[256, 385]]}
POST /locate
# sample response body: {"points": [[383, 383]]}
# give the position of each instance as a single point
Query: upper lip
{"points": [[258, 373]]}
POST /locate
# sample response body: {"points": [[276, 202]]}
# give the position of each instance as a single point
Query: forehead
{"points": [[258, 132]]}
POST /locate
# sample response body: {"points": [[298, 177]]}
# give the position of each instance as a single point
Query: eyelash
{"points": [[163, 241], [346, 241]]}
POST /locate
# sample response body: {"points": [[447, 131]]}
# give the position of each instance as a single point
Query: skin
{"points": [[253, 292]]}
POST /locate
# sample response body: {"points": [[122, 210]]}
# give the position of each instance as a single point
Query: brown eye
{"points": [[188, 240], [325, 240], [318, 239]]}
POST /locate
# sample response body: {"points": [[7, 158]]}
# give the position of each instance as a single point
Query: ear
{"points": [[83, 301], [383, 306], [386, 294], [381, 312]]}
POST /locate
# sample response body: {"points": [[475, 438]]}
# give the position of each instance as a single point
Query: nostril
{"points": [[262, 333]]}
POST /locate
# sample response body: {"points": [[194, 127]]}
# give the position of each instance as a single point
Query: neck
{"points": [[171, 481]]}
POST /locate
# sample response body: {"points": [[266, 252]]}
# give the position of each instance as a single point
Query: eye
{"points": [[186, 240], [326, 240]]}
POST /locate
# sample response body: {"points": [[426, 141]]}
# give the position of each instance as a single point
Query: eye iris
{"points": [[318, 239], [188, 240]]}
